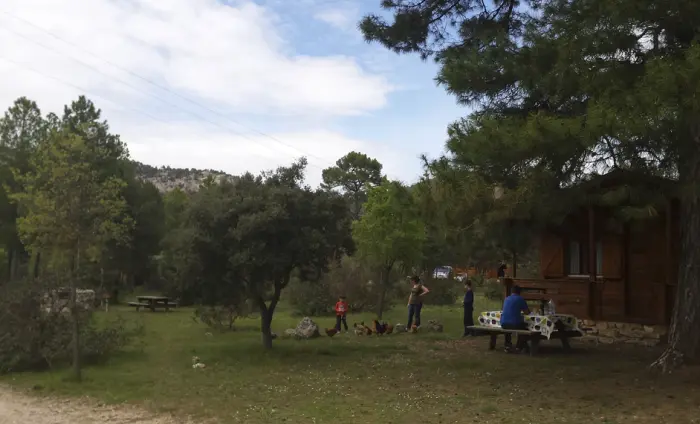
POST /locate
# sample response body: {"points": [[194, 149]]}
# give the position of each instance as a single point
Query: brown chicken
{"points": [[330, 332], [389, 328]]}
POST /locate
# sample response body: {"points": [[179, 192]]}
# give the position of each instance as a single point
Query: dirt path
{"points": [[16, 408]]}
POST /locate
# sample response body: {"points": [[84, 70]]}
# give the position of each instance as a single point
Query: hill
{"points": [[166, 178]]}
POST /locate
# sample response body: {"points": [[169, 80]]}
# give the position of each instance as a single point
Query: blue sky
{"points": [[229, 85]]}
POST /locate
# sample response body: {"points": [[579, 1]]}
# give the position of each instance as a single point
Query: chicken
{"points": [[330, 332], [414, 328], [359, 330], [389, 328], [378, 327]]}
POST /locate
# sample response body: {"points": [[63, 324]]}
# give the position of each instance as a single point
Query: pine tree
{"points": [[566, 88]]}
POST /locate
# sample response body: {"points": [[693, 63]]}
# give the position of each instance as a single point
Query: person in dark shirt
{"points": [[468, 309], [502, 270], [512, 319]]}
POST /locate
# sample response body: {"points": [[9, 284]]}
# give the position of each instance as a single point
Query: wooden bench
{"points": [[152, 306], [533, 337]]}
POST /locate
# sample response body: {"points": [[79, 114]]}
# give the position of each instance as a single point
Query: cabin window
{"points": [[577, 254]]}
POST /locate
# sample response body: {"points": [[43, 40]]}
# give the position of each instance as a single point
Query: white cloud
{"points": [[339, 18], [229, 54], [230, 57]]}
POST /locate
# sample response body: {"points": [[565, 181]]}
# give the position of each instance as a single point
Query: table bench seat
{"points": [[533, 336], [152, 306]]}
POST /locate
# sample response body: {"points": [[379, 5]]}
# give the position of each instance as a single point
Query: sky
{"points": [[231, 85]]}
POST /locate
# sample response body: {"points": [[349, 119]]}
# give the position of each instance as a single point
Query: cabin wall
{"points": [[636, 278]]}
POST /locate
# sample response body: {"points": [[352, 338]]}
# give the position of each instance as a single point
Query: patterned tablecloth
{"points": [[544, 324]]}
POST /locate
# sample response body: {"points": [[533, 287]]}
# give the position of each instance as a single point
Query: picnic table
{"points": [[539, 327], [153, 303]]}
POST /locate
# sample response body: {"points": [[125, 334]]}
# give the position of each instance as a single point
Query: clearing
{"points": [[427, 378]]}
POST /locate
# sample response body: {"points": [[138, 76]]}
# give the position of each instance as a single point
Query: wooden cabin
{"points": [[598, 267]]}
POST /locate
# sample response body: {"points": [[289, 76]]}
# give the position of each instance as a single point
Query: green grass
{"points": [[429, 378]]}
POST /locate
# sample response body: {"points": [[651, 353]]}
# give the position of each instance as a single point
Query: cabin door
{"points": [[645, 270]]}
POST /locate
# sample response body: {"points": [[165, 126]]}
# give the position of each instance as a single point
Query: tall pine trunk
{"points": [[383, 278], [77, 369], [684, 337]]}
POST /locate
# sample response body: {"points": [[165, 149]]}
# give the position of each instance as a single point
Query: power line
{"points": [[151, 95], [155, 84], [92, 94]]}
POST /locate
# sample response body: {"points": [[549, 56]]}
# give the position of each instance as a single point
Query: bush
{"points": [[351, 279], [311, 298], [34, 338], [493, 289], [443, 291], [222, 318]]}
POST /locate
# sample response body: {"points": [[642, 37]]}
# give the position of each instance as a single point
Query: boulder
{"points": [[434, 326], [307, 329]]}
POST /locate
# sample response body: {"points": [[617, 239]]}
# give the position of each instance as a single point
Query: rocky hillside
{"points": [[166, 178]]}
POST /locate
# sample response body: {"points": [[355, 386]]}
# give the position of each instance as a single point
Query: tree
{"points": [[390, 232], [564, 89], [70, 211], [21, 129], [249, 236], [354, 174]]}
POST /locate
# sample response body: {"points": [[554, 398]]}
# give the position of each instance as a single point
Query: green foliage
{"points": [[69, 209], [244, 239], [442, 291], [312, 300], [493, 290], [391, 230], [354, 174], [35, 337]]}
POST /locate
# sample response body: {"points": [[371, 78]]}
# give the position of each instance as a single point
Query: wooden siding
{"points": [[639, 269]]}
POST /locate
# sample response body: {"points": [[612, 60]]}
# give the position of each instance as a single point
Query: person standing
{"points": [[415, 301], [341, 311], [468, 304]]}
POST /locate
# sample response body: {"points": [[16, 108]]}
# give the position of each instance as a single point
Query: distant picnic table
{"points": [[153, 303]]}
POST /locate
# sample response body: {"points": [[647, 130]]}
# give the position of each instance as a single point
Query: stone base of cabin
{"points": [[619, 332]]}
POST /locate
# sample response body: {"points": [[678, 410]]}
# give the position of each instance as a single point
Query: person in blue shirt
{"points": [[512, 319], [468, 309]]}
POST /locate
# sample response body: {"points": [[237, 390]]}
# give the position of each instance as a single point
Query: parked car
{"points": [[442, 272]]}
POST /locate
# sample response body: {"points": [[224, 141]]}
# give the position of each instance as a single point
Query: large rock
{"points": [[307, 329]]}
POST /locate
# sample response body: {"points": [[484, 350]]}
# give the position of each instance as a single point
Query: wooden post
{"points": [[592, 286], [668, 268], [625, 269], [508, 285]]}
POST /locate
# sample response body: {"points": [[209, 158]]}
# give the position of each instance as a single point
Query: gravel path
{"points": [[16, 408]]}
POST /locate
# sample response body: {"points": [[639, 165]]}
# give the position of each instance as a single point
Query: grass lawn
{"points": [[405, 378]]}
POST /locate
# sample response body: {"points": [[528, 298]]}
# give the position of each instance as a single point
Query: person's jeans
{"points": [[414, 311], [338, 320], [522, 340], [468, 319]]}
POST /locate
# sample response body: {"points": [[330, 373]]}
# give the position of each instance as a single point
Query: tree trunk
{"points": [[77, 370], [37, 264], [266, 313], [684, 337], [266, 327], [383, 277], [10, 261]]}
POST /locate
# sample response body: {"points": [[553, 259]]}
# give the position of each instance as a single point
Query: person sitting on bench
{"points": [[512, 319]]}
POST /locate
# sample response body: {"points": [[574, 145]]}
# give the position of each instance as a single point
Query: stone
{"points": [[290, 332], [400, 328], [602, 325], [606, 340], [435, 326], [307, 329]]}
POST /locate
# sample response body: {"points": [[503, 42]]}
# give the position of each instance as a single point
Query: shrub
{"points": [[33, 337], [443, 291], [222, 318], [493, 289], [350, 278]]}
